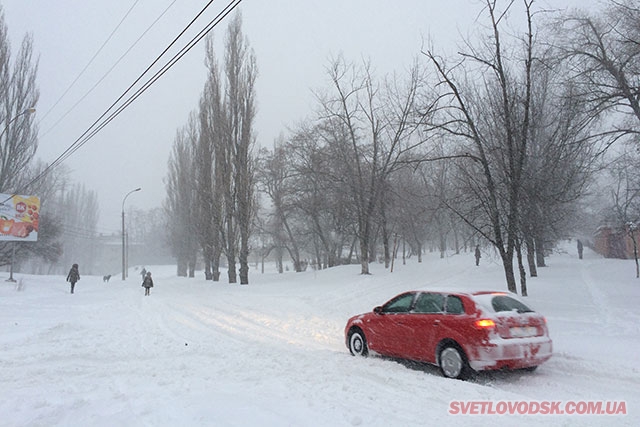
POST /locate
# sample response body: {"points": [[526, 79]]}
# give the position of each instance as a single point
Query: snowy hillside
{"points": [[197, 353]]}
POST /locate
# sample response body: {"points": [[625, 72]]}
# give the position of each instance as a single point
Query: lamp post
{"points": [[13, 249], [123, 243]]}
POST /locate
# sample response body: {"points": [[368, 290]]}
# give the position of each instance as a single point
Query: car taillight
{"points": [[485, 323]]}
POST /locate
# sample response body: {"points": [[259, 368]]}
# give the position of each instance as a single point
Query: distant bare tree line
{"points": [[497, 145]]}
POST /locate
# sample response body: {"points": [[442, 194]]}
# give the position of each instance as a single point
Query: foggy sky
{"points": [[293, 41]]}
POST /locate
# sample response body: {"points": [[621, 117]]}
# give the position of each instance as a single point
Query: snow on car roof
{"points": [[459, 291]]}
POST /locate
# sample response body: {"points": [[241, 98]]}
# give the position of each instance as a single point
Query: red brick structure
{"points": [[613, 242]]}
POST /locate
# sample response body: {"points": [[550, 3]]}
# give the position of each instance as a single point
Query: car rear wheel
{"points": [[453, 363], [358, 343]]}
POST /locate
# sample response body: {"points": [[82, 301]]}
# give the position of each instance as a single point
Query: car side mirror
{"points": [[377, 310]]}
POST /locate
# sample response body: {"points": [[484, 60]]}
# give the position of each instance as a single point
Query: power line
{"points": [[107, 73], [95, 127], [154, 78], [87, 66]]}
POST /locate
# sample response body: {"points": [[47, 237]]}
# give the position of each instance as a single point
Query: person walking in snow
{"points": [[147, 283], [143, 273], [73, 276], [478, 256], [580, 248]]}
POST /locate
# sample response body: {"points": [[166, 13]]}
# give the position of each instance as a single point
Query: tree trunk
{"points": [[507, 263], [539, 248], [531, 260], [394, 253], [182, 268], [192, 268], [364, 256], [207, 254], [215, 264], [456, 240], [231, 273], [244, 261], [279, 261], [351, 250], [387, 252], [244, 215], [404, 251], [317, 254], [521, 269], [208, 275], [635, 251], [292, 246], [364, 246]]}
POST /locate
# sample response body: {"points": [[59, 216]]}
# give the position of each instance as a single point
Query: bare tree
{"points": [[625, 196], [18, 132], [224, 158], [367, 127], [181, 197], [209, 168], [412, 211], [241, 72], [275, 177], [562, 158], [492, 116], [320, 198], [603, 54]]}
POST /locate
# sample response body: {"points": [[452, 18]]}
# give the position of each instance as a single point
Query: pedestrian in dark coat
{"points": [[73, 276], [143, 273], [147, 283], [478, 256], [580, 248]]}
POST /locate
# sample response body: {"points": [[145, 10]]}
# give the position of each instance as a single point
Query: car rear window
{"points": [[506, 303], [501, 303]]}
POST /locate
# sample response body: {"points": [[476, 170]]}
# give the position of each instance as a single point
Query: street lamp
{"points": [[13, 249], [123, 250]]}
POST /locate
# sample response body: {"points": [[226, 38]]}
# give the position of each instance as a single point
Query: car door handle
{"points": [[436, 322]]}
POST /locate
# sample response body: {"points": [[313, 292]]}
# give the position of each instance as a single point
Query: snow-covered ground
{"points": [[198, 353]]}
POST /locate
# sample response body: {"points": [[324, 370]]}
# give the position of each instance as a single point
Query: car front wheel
{"points": [[453, 363], [358, 343]]}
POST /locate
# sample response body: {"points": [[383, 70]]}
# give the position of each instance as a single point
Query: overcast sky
{"points": [[293, 42]]}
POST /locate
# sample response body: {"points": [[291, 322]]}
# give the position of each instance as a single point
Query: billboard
{"points": [[19, 217]]}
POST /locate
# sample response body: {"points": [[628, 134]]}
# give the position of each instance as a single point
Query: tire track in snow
{"points": [[249, 327]]}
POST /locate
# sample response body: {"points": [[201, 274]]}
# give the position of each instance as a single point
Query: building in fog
{"points": [[615, 242]]}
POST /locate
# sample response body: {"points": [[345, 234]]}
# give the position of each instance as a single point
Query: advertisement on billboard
{"points": [[19, 217]]}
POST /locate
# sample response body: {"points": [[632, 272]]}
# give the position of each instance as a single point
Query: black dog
{"points": [[106, 278]]}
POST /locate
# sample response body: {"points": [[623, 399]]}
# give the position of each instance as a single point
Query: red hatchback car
{"points": [[458, 331]]}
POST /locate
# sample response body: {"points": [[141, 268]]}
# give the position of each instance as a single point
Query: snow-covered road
{"points": [[198, 353]]}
